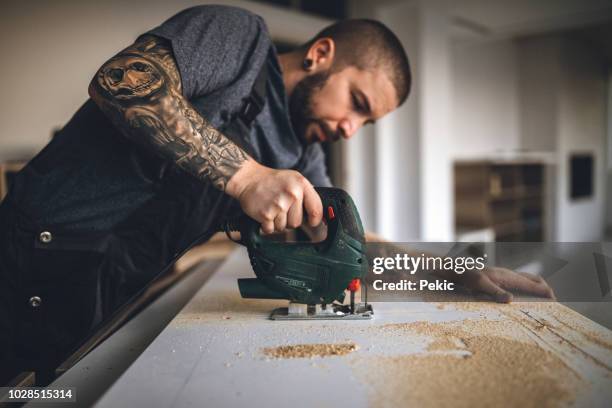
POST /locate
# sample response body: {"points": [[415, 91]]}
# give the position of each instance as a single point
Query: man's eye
{"points": [[356, 103]]}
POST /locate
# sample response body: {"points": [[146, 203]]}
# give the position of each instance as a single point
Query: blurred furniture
{"points": [[503, 196]]}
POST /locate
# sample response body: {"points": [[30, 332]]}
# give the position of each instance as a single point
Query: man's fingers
{"points": [[267, 227], [484, 284], [313, 205], [527, 283], [294, 217], [531, 277], [280, 222]]}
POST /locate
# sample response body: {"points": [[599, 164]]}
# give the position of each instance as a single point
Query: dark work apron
{"points": [[56, 285]]}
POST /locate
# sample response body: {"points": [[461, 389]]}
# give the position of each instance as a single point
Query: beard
{"points": [[300, 107]]}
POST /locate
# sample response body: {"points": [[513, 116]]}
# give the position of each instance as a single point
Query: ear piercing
{"points": [[307, 64]]}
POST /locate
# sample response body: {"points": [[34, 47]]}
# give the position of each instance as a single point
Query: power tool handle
{"points": [[338, 205], [339, 211]]}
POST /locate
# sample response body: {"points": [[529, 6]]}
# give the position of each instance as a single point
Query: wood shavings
{"points": [[444, 344], [498, 367], [226, 306], [500, 372], [310, 350]]}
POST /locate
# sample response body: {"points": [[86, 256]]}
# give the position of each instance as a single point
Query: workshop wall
{"points": [[411, 145], [486, 117], [383, 163], [609, 205], [51, 50], [609, 167], [581, 131], [564, 111], [485, 84], [542, 93]]}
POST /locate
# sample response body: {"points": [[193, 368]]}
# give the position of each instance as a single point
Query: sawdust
{"points": [[310, 350], [469, 363], [500, 372], [459, 295], [444, 344], [224, 306]]}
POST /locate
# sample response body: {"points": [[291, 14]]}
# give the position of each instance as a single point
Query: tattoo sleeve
{"points": [[140, 91]]}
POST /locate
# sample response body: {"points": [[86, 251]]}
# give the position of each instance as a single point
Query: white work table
{"points": [[212, 354]]}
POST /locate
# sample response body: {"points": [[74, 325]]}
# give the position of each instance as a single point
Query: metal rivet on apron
{"points": [[45, 237], [35, 301]]}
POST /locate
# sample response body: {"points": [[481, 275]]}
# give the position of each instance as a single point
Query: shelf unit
{"points": [[507, 197]]}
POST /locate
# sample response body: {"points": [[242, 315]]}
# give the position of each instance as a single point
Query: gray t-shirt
{"points": [[219, 51], [86, 178]]}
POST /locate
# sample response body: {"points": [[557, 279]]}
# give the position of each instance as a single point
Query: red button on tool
{"points": [[354, 285], [330, 212]]}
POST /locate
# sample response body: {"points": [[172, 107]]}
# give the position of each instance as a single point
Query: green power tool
{"points": [[313, 276]]}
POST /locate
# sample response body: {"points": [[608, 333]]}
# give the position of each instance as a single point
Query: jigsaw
{"points": [[313, 276]]}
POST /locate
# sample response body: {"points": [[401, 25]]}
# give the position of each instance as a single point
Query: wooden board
{"points": [[221, 350]]}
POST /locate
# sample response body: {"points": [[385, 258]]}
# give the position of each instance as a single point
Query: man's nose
{"points": [[348, 128]]}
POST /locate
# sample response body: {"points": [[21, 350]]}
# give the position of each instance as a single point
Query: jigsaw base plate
{"points": [[363, 311]]}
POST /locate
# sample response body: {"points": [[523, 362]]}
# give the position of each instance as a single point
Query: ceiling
{"points": [[502, 18]]}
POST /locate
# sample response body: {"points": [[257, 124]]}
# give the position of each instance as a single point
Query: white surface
{"points": [[211, 353]]}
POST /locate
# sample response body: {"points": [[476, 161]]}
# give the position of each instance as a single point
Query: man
{"points": [[197, 119]]}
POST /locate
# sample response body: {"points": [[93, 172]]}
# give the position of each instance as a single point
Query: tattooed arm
{"points": [[139, 89]]}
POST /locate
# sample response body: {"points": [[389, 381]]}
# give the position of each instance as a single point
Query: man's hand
{"points": [[498, 282], [275, 198]]}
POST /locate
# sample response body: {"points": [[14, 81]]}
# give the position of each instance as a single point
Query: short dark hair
{"points": [[367, 44]]}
